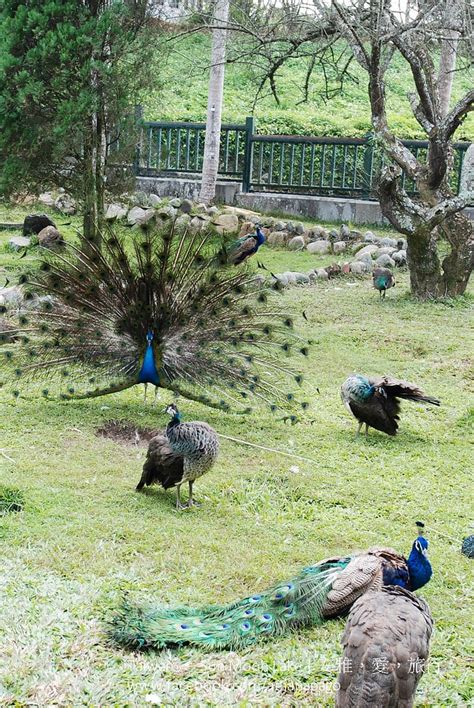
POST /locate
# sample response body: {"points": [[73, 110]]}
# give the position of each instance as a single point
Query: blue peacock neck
{"points": [[419, 566], [260, 236], [148, 372]]}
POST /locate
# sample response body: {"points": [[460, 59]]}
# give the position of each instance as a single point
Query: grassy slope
{"points": [[183, 96], [85, 537]]}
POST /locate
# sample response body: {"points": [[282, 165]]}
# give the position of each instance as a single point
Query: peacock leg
{"points": [[366, 430], [191, 501], [146, 387], [359, 428], [179, 504], [156, 395]]}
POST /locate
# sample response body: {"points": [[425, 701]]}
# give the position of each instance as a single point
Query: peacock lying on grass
{"points": [[327, 589], [386, 644], [383, 280], [375, 401], [246, 246], [183, 454], [164, 309]]}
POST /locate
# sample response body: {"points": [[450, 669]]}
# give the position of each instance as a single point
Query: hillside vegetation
{"points": [[182, 95]]}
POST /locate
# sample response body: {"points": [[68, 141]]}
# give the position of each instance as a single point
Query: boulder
{"points": [[357, 267], [290, 277], [18, 242], [34, 223], [277, 238], [386, 251], [339, 247], [301, 278], [140, 216], [356, 235], [290, 227], [299, 228], [296, 243], [200, 208], [65, 204], [226, 223], [212, 211], [370, 237], [259, 280], [345, 232], [47, 199], [140, 198], [318, 247], [386, 241], [369, 250], [319, 232], [182, 221], [346, 267], [402, 244], [175, 202], [186, 206], [280, 279], [198, 223], [115, 211], [49, 237], [12, 296], [154, 200], [385, 262], [322, 274], [333, 235], [400, 258], [333, 270], [247, 228]]}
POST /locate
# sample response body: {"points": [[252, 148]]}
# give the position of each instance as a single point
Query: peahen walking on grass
{"points": [[164, 309], [246, 246], [322, 591], [183, 454], [386, 645], [375, 401], [383, 280]]}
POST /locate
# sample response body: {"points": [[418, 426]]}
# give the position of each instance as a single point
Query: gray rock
{"points": [[140, 216], [182, 221], [299, 228], [212, 211], [279, 226], [34, 223], [386, 251], [400, 258], [320, 232], [200, 208], [296, 243], [345, 232], [333, 235], [386, 241], [65, 204], [312, 275], [47, 199], [318, 247], [277, 238], [140, 199], [290, 277], [228, 223], [301, 278], [18, 242], [155, 200], [167, 212], [49, 237], [198, 223], [186, 206], [259, 280], [402, 244], [175, 203], [385, 262], [370, 237], [12, 296], [290, 227], [339, 247], [322, 274], [356, 235], [115, 211], [357, 267], [369, 250], [281, 279]]}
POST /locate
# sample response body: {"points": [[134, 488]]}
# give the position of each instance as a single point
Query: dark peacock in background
{"points": [[182, 454], [383, 280], [165, 309], [322, 591], [375, 401], [246, 246], [386, 644]]}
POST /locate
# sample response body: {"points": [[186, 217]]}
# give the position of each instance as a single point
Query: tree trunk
{"points": [[423, 264], [94, 185], [449, 48], [457, 265], [214, 103]]}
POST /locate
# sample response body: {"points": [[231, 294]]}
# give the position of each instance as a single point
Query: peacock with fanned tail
{"points": [[167, 310], [322, 591]]}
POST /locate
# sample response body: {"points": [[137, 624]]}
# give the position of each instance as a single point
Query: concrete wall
{"points": [[355, 211]]}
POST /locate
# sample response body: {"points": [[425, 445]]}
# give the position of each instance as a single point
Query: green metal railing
{"points": [[345, 167]]}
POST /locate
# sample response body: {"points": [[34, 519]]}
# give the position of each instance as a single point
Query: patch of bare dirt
{"points": [[126, 432]]}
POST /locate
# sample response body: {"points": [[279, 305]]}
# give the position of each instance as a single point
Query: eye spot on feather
{"points": [[246, 626]]}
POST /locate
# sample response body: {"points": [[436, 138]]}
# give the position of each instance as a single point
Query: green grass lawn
{"points": [[182, 85], [84, 537]]}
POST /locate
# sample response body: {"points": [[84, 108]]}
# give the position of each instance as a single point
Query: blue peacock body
{"points": [[383, 280], [321, 591], [166, 310], [246, 246]]}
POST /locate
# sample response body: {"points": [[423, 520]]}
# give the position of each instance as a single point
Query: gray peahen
{"points": [[166, 309], [386, 645], [375, 401], [183, 454], [322, 591], [383, 280]]}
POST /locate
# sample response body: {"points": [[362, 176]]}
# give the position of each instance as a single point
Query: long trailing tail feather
{"points": [[278, 610]]}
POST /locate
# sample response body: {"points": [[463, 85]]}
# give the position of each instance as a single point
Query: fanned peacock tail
{"points": [[165, 309], [272, 613]]}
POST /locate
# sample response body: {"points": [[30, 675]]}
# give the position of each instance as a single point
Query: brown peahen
{"points": [[159, 307], [375, 401], [327, 589], [386, 645], [182, 454]]}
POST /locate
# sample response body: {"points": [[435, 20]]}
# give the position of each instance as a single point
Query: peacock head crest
{"points": [[172, 410]]}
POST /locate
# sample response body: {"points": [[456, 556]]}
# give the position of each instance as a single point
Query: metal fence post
{"points": [[247, 171], [368, 164], [138, 126]]}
